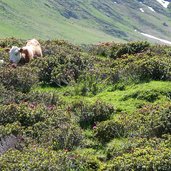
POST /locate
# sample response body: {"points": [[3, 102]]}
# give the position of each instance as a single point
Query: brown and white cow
{"points": [[26, 53]]}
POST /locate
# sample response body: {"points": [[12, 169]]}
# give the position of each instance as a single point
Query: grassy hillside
{"points": [[83, 21], [104, 107]]}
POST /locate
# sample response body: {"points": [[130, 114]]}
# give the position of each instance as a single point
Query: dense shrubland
{"points": [[72, 108]]}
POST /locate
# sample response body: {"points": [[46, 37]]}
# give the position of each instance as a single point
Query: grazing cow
{"points": [[26, 53]]}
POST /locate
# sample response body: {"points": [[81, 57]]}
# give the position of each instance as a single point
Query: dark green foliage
{"points": [[8, 129], [4, 43], [8, 114], [89, 115], [130, 48], [151, 121], [46, 160], [20, 79], [58, 131], [107, 130], [61, 64], [12, 96], [114, 51], [89, 84], [154, 69], [48, 99], [26, 114], [60, 69], [142, 159]]}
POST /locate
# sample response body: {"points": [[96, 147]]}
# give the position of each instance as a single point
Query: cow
{"points": [[26, 53]]}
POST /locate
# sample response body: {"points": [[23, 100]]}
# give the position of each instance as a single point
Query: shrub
{"points": [[118, 147], [46, 160], [8, 114], [154, 69], [20, 79], [151, 120], [90, 83], [57, 131], [8, 129], [61, 68], [107, 130], [49, 99], [10, 96], [142, 159], [9, 42], [131, 48], [117, 50], [26, 114], [89, 115]]}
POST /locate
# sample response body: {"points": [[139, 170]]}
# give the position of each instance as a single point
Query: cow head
{"points": [[15, 55]]}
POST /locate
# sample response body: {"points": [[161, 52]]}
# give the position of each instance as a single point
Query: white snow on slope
{"points": [[163, 3], [141, 10], [156, 38], [151, 9]]}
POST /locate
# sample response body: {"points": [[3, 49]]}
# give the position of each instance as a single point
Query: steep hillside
{"points": [[86, 21]]}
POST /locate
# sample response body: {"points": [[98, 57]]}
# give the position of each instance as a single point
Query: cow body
{"points": [[26, 53]]}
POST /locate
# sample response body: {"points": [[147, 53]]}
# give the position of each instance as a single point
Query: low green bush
{"points": [[88, 115], [40, 159], [131, 48], [142, 159], [19, 79], [8, 129], [151, 121], [107, 130], [60, 69], [48, 99], [90, 83], [118, 147], [26, 114], [9, 42], [8, 97], [57, 131], [155, 69], [114, 50]]}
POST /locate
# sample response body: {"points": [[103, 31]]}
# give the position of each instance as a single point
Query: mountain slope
{"points": [[85, 21]]}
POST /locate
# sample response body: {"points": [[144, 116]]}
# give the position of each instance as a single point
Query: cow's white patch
{"points": [[15, 54]]}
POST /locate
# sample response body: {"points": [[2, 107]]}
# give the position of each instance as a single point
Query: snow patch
{"points": [[151, 9], [1, 62], [156, 38], [141, 10], [163, 3]]}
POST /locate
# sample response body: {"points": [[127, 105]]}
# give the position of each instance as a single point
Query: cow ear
{"points": [[7, 49]]}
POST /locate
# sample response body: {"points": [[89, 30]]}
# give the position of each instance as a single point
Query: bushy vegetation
{"points": [[106, 109]]}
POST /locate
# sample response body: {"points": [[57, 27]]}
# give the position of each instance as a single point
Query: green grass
{"points": [[117, 97]]}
